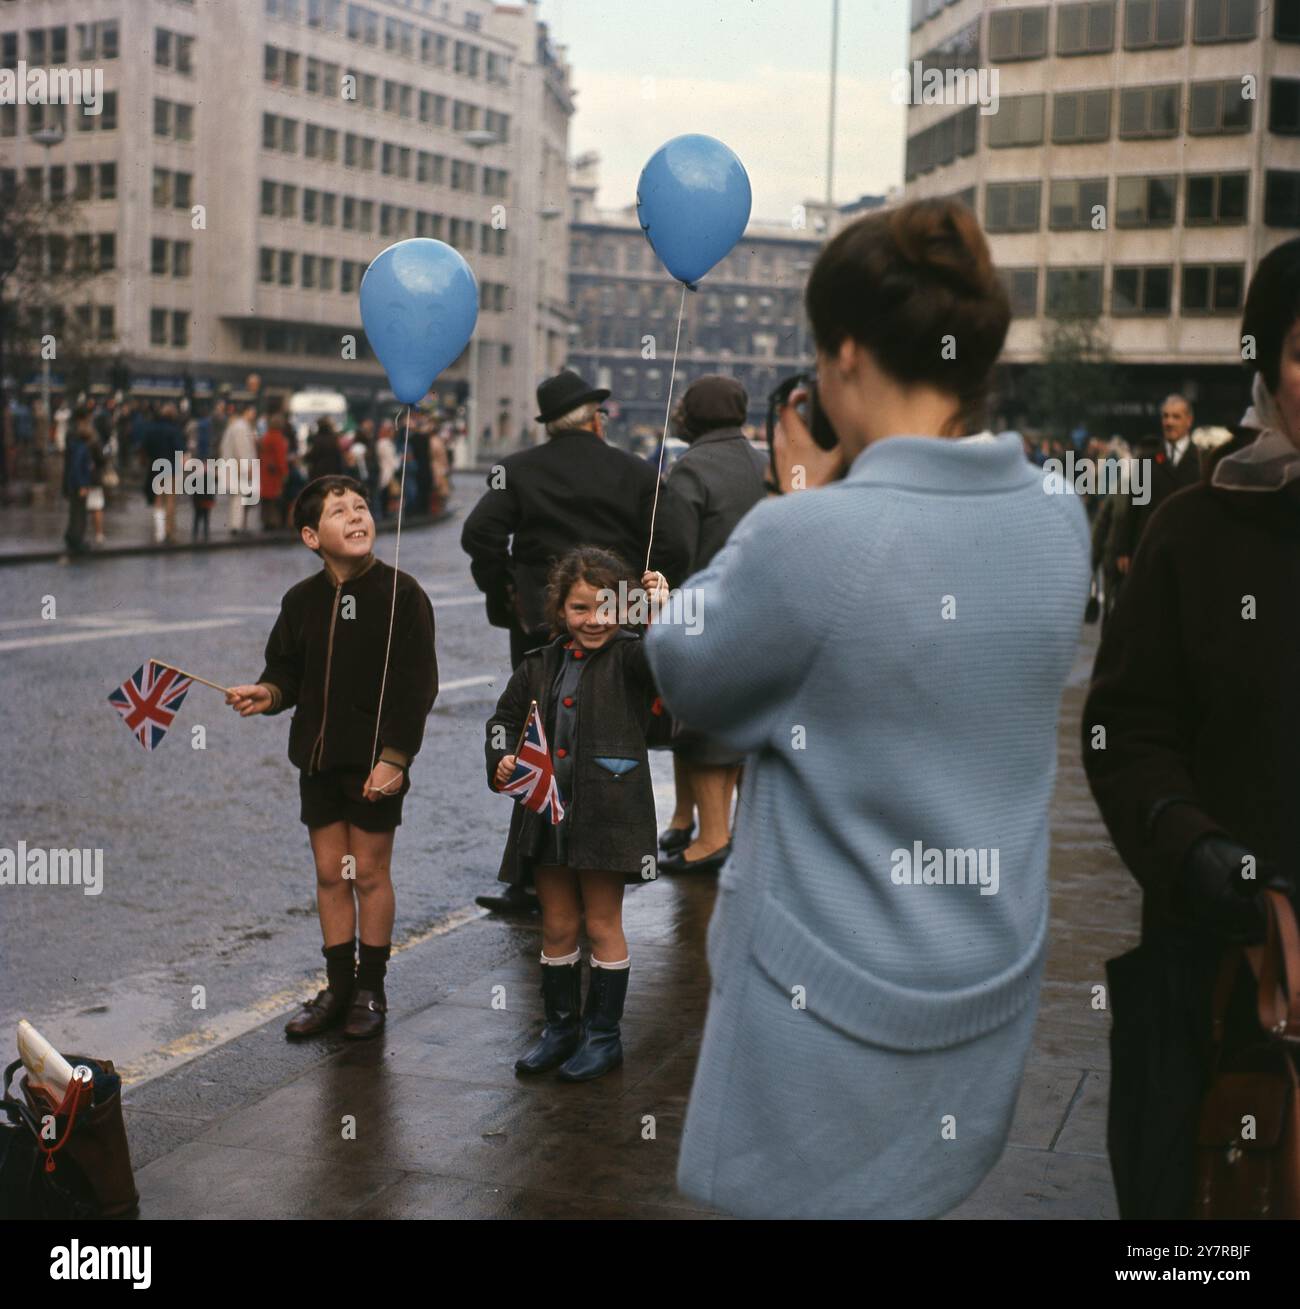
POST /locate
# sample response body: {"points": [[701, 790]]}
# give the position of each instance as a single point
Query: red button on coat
{"points": [[568, 702], [577, 654], [561, 753]]}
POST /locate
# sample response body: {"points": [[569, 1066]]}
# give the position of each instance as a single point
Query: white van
{"points": [[305, 407]]}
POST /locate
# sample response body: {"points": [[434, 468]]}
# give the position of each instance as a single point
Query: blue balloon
{"points": [[419, 304], [693, 201]]}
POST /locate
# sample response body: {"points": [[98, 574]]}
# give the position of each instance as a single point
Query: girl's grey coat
{"points": [[891, 652]]}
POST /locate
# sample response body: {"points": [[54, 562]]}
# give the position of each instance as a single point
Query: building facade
{"points": [[253, 157], [1142, 158], [746, 320]]}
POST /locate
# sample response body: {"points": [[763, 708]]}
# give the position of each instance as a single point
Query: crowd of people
{"points": [[111, 446]]}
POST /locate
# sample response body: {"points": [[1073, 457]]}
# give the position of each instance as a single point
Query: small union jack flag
{"points": [[533, 781], [148, 701]]}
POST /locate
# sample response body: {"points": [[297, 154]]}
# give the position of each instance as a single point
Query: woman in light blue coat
{"points": [[890, 649]]}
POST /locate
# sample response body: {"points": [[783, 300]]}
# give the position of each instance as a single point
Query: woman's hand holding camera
{"points": [[800, 462]]}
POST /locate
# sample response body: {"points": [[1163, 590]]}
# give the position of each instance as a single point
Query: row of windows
{"points": [[1214, 109], [1209, 199], [93, 322], [173, 120], [316, 273], [84, 252], [610, 254], [1082, 117], [396, 36], [283, 68], [1135, 290], [1076, 204], [280, 339], [89, 181], [48, 46], [39, 117], [353, 214], [281, 134], [942, 142], [1088, 28], [640, 300]]}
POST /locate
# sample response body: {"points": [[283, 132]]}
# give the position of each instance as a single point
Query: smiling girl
{"points": [[593, 690]]}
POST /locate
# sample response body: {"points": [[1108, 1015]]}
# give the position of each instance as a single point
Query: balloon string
{"points": [[392, 612], [663, 444]]}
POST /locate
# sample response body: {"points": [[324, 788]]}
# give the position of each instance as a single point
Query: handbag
{"points": [[1248, 1138], [36, 1179], [92, 1135], [111, 478]]}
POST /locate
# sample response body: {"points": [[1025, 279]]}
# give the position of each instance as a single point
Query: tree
{"points": [[1077, 374], [42, 265]]}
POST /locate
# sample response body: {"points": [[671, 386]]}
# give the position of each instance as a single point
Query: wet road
{"points": [[207, 877]]}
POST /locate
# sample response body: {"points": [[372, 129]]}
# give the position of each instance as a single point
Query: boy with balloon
{"points": [[352, 651]]}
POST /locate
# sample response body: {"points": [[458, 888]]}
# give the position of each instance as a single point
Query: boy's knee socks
{"points": [[372, 964], [340, 966]]}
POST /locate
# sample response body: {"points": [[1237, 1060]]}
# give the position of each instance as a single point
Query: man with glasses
{"points": [[576, 489]]}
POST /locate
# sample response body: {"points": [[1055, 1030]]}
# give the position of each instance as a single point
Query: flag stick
{"points": [[223, 689], [519, 743]]}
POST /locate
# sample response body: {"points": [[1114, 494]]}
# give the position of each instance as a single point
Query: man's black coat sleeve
{"points": [[486, 539]]}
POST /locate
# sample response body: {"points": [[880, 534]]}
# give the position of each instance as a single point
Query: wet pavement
{"points": [[443, 1128]]}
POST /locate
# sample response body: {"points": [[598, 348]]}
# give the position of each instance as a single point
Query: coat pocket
{"points": [[883, 1013], [614, 765]]}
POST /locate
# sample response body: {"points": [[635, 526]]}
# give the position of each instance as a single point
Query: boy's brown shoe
{"points": [[365, 1016], [318, 1015]]}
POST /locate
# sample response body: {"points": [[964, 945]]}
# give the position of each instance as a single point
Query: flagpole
{"points": [[225, 690]]}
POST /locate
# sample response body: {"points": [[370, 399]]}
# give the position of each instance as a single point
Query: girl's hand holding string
{"points": [[656, 585]]}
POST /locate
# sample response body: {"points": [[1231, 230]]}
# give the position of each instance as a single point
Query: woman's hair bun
{"points": [[915, 286], [944, 237]]}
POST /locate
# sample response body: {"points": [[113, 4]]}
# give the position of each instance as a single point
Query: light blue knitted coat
{"points": [[892, 651]]}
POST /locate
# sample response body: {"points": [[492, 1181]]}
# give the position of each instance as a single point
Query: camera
{"points": [[812, 414]]}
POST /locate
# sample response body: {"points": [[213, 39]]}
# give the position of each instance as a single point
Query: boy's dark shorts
{"points": [[335, 796]]}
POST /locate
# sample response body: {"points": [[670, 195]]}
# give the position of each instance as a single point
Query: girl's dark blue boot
{"points": [[601, 1047], [562, 998]]}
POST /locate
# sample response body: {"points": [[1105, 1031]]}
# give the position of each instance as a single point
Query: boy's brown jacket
{"points": [[328, 666]]}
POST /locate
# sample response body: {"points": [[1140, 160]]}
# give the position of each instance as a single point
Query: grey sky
{"points": [[754, 73]]}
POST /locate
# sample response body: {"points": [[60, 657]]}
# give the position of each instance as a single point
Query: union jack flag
{"points": [[533, 781], [148, 701]]}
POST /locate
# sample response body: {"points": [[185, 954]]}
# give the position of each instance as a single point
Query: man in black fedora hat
{"points": [[576, 489]]}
